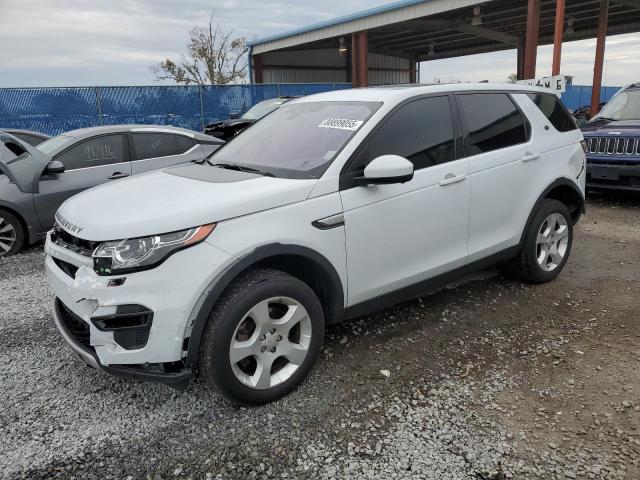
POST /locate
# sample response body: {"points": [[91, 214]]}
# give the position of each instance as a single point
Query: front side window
{"points": [[420, 131], [552, 108], [153, 145], [96, 152], [493, 122], [298, 140]]}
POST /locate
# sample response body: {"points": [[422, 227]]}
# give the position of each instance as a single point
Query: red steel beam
{"points": [[601, 39], [531, 40], [359, 59], [558, 34], [520, 60], [257, 69]]}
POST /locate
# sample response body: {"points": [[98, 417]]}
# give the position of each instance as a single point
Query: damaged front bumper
{"points": [[135, 325]]}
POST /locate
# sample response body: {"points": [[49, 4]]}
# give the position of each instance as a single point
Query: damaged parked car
{"points": [[35, 181], [236, 123], [329, 208]]}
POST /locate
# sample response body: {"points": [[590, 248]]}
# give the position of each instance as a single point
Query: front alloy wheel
{"points": [[270, 343], [263, 337], [11, 234]]}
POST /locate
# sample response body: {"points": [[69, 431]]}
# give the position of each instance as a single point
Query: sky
{"points": [[115, 42]]}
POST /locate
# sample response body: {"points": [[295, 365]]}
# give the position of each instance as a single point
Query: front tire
{"points": [[262, 338], [546, 244], [11, 234]]}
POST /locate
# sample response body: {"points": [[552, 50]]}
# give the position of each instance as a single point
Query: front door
{"points": [[398, 235], [88, 163]]}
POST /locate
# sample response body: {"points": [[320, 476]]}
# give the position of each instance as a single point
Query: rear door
{"points": [[155, 150], [502, 161], [88, 163]]}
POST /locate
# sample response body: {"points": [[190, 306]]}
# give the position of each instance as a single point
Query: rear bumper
{"points": [[613, 177], [87, 353]]}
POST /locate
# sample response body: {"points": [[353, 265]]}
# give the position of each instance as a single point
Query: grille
{"points": [[613, 145], [78, 245], [75, 326]]}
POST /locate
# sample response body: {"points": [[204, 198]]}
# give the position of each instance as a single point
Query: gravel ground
{"points": [[487, 379]]}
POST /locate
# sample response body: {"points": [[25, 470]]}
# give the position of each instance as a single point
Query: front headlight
{"points": [[135, 254]]}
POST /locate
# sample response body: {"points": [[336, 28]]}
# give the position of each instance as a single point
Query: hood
{"points": [[235, 122], [25, 168], [627, 127], [174, 199]]}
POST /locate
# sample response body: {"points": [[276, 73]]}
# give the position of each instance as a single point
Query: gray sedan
{"points": [[35, 181]]}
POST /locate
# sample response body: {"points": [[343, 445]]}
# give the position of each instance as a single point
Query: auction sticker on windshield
{"points": [[341, 123]]}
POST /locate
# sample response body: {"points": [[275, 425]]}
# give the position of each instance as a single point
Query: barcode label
{"points": [[341, 123]]}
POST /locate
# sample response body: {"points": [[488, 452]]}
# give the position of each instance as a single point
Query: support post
{"points": [[531, 42], [557, 38], [412, 71], [601, 39], [520, 60], [360, 47], [257, 69]]}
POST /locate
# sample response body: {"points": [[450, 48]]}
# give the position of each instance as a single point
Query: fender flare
{"points": [[560, 182], [209, 297]]}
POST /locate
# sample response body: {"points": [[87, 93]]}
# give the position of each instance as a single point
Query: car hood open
{"points": [[173, 199], [23, 170]]}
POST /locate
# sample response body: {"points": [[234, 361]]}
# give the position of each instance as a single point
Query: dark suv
{"points": [[613, 143]]}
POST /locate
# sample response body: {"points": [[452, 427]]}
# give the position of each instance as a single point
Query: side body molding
{"points": [[200, 313]]}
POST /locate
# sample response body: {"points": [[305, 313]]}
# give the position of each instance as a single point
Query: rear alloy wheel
{"points": [[263, 337], [546, 244], [11, 234], [552, 242]]}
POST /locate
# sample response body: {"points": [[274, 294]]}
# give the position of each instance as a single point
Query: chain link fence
{"points": [[57, 110]]}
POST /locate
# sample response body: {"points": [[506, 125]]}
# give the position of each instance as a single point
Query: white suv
{"points": [[330, 207]]}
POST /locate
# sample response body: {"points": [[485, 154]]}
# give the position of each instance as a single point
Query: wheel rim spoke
{"points": [[262, 376], [241, 350], [294, 315], [294, 352]]}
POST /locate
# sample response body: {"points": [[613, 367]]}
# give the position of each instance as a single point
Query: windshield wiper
{"points": [[242, 168], [602, 119]]}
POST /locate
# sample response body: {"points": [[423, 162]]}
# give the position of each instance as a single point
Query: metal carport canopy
{"points": [[421, 30]]}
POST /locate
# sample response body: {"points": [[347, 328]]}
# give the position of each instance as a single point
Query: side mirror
{"points": [[386, 169], [54, 167], [234, 114]]}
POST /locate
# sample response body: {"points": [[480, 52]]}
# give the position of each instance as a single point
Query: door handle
{"points": [[117, 175], [530, 156], [450, 179]]}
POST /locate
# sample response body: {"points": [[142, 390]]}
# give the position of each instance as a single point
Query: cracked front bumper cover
{"points": [[179, 380]]}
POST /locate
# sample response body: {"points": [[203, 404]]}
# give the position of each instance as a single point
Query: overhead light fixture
{"points": [[569, 30], [342, 46], [477, 18], [432, 50]]}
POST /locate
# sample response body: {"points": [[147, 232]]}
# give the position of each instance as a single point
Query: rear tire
{"points": [[262, 338], [12, 234], [546, 244]]}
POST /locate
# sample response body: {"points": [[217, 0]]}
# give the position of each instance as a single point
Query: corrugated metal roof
{"points": [[336, 21], [392, 13]]}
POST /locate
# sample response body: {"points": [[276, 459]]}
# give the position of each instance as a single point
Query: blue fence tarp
{"points": [[56, 110]]}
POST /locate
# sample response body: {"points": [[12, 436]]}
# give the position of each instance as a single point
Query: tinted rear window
{"points": [[552, 108], [153, 145], [493, 122]]}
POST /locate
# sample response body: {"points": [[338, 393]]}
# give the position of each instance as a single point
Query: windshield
{"points": [[298, 140], [259, 110], [54, 144], [623, 106]]}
